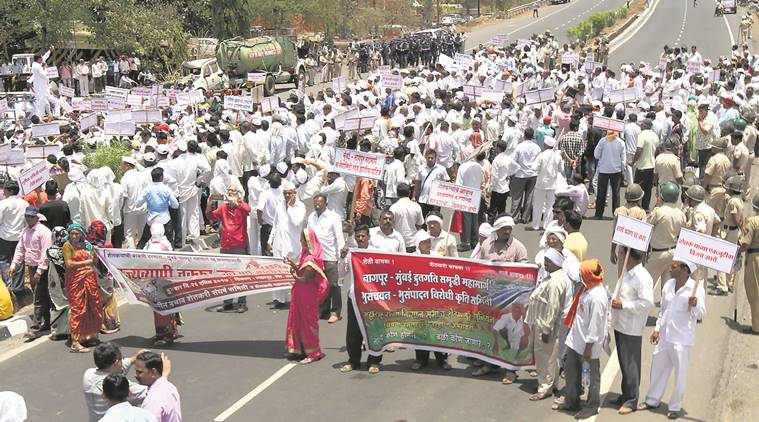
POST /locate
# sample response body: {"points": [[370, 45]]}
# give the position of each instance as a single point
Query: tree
{"points": [[231, 18]]}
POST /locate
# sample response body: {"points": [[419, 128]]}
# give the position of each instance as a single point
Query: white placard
{"points": [[693, 67], [231, 102], [269, 104], [340, 118], [52, 72], [500, 40], [538, 96], [119, 128], [590, 66], [145, 116], [255, 76], [162, 101], [135, 100], [632, 233], [121, 94], [116, 116], [464, 59], [15, 158], [713, 76], [99, 104], [35, 152], [88, 121], [623, 95], [491, 95], [78, 103], [66, 108], [456, 197], [523, 41], [48, 129], [359, 123], [473, 91], [32, 178], [570, 58], [608, 123], [196, 96], [357, 163], [445, 61], [114, 104], [339, 84], [5, 152], [506, 87], [708, 251], [142, 91], [66, 91], [590, 57], [393, 82]]}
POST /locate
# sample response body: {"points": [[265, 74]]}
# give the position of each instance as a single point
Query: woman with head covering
{"points": [[82, 289], [97, 233], [96, 200], [222, 177], [308, 291], [165, 325], [59, 312]]}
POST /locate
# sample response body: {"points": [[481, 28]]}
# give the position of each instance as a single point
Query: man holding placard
{"points": [[682, 305], [633, 300]]}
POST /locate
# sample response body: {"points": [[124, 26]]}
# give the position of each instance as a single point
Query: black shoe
{"points": [[226, 308], [280, 305]]}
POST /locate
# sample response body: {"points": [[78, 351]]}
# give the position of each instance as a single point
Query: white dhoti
{"points": [[254, 235], [134, 224], [546, 362], [40, 104], [668, 356], [542, 205], [190, 216], [84, 86]]}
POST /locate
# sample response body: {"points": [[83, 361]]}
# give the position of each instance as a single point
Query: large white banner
{"points": [[47, 129], [169, 282], [608, 123]]}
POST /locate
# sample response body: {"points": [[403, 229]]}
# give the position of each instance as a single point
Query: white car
{"points": [[448, 20]]}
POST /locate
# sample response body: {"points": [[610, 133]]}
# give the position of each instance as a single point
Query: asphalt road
{"points": [[224, 357]]}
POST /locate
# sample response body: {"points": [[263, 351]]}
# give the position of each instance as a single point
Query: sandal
{"points": [[539, 396], [346, 368], [509, 378], [79, 350], [374, 369]]}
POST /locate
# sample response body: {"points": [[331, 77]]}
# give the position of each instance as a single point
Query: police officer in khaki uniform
{"points": [[718, 164], [731, 226], [718, 196], [749, 243], [667, 220], [633, 196]]}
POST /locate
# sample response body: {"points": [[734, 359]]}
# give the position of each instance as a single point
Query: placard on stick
{"points": [[708, 251], [632, 233], [453, 196]]}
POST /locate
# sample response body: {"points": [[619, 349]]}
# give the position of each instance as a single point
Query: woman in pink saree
{"points": [[308, 292]]}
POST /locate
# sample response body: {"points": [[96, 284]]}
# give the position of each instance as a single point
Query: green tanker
{"points": [[275, 57]]}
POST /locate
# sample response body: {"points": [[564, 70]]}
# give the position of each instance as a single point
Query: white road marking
{"points": [[42, 340], [729, 30], [637, 28], [544, 17], [256, 391]]}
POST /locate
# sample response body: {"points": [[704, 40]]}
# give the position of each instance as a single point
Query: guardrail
{"points": [[523, 8]]}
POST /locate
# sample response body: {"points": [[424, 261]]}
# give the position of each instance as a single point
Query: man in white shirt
{"points": [[191, 171], [12, 223], [286, 232], [407, 216], [682, 305], [522, 184], [424, 179], [394, 175], [116, 391], [266, 210], [384, 238], [548, 167], [337, 192], [329, 228], [471, 175], [40, 84], [628, 318], [133, 183], [502, 169], [83, 76], [587, 319]]}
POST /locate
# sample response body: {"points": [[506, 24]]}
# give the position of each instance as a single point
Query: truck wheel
{"points": [[269, 85]]}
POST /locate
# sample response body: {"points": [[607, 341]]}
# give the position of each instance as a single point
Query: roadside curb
{"points": [[612, 36], [631, 27]]}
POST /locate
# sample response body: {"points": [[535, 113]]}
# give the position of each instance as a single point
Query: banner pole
{"points": [[622, 275]]}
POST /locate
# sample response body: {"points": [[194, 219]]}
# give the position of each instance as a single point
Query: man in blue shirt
{"points": [[544, 131], [610, 153], [159, 198]]}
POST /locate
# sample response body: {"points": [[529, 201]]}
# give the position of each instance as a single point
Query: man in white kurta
{"points": [[190, 169], [674, 335], [289, 221], [40, 84], [548, 166], [133, 183]]}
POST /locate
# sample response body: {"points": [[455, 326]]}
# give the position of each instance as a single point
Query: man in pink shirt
{"points": [[163, 398], [32, 250]]}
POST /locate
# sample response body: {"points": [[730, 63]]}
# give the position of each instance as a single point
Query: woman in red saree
{"points": [[82, 289], [309, 290], [97, 234]]}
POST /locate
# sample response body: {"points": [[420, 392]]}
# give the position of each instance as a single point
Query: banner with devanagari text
{"points": [[461, 306], [169, 282]]}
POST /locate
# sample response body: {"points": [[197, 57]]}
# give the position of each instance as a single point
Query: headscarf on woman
{"points": [[97, 233], [592, 275], [82, 240], [222, 177], [59, 318], [312, 254], [158, 241]]}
